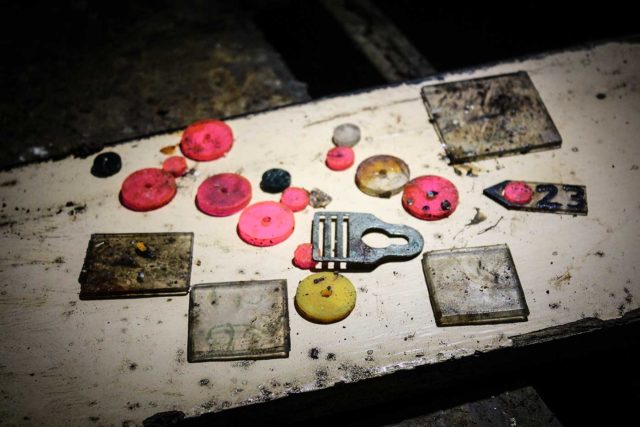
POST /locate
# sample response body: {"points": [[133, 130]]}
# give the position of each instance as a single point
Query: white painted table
{"points": [[125, 359]]}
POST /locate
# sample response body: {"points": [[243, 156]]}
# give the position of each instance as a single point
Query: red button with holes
{"points": [[147, 189], [340, 158], [303, 256], [266, 224], [518, 192], [223, 194], [175, 165], [295, 198], [430, 197], [206, 140]]}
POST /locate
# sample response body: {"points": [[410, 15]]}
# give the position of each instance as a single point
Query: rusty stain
{"points": [[562, 279]]}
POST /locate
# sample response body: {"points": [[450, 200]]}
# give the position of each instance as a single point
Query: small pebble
{"points": [[318, 198], [275, 180], [346, 135]]}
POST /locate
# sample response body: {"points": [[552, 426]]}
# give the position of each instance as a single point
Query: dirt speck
{"points": [[204, 382], [322, 377], [133, 366], [555, 305], [314, 353], [331, 357]]}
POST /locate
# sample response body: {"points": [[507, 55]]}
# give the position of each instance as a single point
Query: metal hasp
{"points": [[490, 117], [471, 286], [331, 230], [545, 197]]}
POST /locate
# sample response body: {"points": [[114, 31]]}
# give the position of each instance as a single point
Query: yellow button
{"points": [[325, 297]]}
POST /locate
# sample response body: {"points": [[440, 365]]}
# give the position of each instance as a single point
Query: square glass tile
{"points": [[474, 286], [238, 320], [490, 117]]}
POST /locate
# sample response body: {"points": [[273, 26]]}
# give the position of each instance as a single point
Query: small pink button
{"points": [[295, 198], [147, 189], [206, 140], [340, 158], [223, 194], [175, 165], [518, 192], [303, 256], [266, 224], [430, 197]]}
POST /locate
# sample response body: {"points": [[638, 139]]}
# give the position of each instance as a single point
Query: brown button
{"points": [[382, 176]]}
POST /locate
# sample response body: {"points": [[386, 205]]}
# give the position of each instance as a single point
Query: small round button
{"points": [[346, 135], [340, 158], [382, 176], [106, 165], [518, 192], [275, 180], [206, 140], [223, 194], [295, 198], [175, 165], [430, 197], [147, 189], [266, 224], [303, 256]]}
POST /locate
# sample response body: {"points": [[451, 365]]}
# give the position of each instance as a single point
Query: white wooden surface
{"points": [[63, 361]]}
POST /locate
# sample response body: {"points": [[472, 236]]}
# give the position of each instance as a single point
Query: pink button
{"points": [[206, 140], [147, 189], [266, 224], [430, 197], [340, 158], [303, 256], [518, 192], [295, 198], [223, 194], [175, 165]]}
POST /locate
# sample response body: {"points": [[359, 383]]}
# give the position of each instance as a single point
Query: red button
{"points": [[303, 256], [147, 189], [223, 194], [518, 192], [206, 140], [340, 158], [266, 224], [430, 197], [295, 198], [175, 165]]}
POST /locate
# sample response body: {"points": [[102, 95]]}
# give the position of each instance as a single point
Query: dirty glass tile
{"points": [[490, 117], [474, 286], [238, 320], [136, 264]]}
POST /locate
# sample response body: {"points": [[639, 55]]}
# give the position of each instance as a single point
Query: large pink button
{"points": [[147, 189], [206, 140], [295, 198], [266, 224], [430, 197], [223, 194], [340, 158], [518, 192]]}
